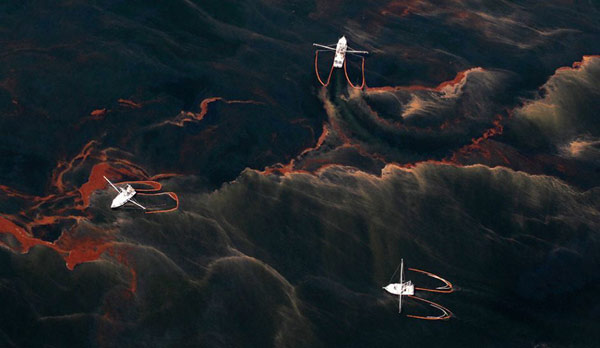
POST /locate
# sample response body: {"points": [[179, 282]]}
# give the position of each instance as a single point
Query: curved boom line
{"points": [[317, 71], [446, 289], [363, 75], [446, 312]]}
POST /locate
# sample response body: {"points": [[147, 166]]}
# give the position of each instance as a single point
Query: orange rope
{"points": [[317, 70], [447, 314], [443, 291], [363, 74], [154, 186]]}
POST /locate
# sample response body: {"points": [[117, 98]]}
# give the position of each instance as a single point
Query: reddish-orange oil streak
{"points": [[188, 116], [70, 204], [476, 143]]}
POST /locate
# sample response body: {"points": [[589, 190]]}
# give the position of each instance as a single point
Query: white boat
{"points": [[125, 196], [401, 288], [407, 288], [341, 48]]}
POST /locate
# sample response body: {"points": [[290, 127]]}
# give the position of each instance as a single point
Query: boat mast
{"points": [[401, 286]]}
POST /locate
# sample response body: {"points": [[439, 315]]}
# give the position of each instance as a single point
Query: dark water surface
{"points": [[473, 152]]}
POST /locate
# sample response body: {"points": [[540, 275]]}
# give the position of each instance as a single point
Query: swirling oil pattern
{"points": [[279, 207]]}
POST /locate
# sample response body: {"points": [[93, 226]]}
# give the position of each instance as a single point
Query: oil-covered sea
{"points": [[278, 208]]}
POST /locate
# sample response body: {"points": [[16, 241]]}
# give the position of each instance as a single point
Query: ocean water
{"points": [[278, 207]]}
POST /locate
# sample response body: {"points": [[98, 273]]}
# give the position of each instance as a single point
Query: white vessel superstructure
{"points": [[341, 48], [125, 195], [401, 288], [407, 288]]}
